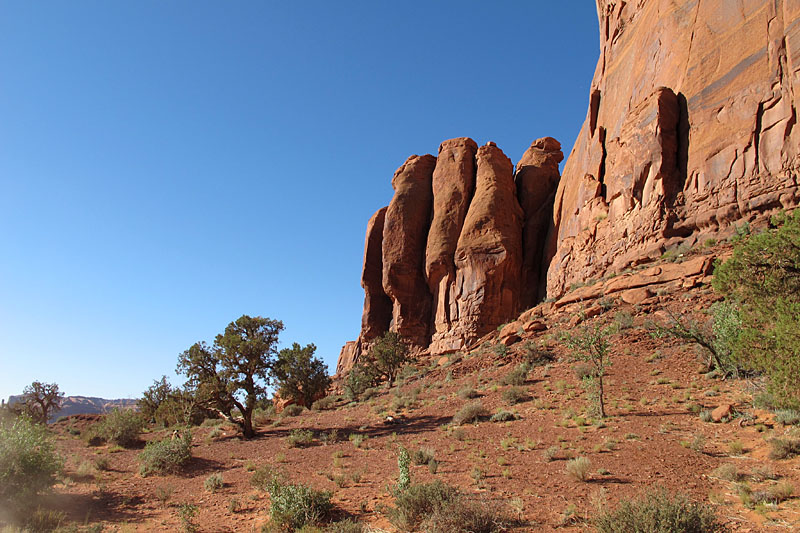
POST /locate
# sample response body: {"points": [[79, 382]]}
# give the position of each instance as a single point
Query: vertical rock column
{"points": [[488, 258], [377, 305], [536, 179], [405, 233], [453, 187]]}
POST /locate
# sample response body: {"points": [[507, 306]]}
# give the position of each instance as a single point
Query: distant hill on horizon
{"points": [[83, 405]]}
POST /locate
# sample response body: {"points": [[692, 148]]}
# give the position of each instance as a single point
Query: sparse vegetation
{"points": [[784, 448], [213, 483], [518, 376], [514, 395], [658, 511], [121, 426], [294, 506], [472, 412], [40, 400], [300, 438], [166, 456]]}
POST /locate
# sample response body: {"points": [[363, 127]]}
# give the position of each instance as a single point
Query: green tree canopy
{"points": [[762, 283], [299, 375], [234, 372]]}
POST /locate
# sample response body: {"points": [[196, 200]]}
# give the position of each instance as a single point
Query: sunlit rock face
{"points": [[690, 128]]}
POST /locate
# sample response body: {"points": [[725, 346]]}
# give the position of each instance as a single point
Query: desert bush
{"points": [[300, 438], [214, 482], [44, 520], [467, 516], [292, 410], [583, 370], [346, 526], [296, 506], [357, 439], [578, 468], [472, 412], [517, 376], [787, 417], [658, 511], [300, 376], [422, 456], [265, 477], [360, 378], [186, 514], [390, 353], [514, 395], [467, 393], [324, 403], [122, 427], [417, 502], [784, 448], [727, 472], [102, 463], [761, 283], [166, 456], [503, 416], [29, 463]]}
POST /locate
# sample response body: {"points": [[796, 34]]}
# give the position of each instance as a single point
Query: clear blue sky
{"points": [[166, 167]]}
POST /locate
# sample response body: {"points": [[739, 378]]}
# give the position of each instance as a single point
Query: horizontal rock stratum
{"points": [[691, 128]]}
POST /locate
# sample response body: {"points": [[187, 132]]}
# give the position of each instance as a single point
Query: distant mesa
{"points": [[83, 405]]}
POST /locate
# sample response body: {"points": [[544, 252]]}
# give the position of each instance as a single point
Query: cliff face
{"points": [[690, 128], [444, 262]]}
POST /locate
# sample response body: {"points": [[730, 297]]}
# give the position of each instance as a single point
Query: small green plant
{"points": [[300, 438], [417, 502], [164, 493], [591, 345], [358, 439], [404, 471], [551, 453], [213, 483], [292, 410], [166, 456], [578, 468], [102, 463], [234, 505], [265, 477], [787, 417], [294, 507], [471, 412], [186, 514], [736, 448], [659, 511], [727, 472]]}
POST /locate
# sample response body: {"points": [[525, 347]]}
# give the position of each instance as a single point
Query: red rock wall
{"points": [[691, 127]]}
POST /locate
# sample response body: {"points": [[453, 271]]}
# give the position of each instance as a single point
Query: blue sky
{"points": [[166, 167]]}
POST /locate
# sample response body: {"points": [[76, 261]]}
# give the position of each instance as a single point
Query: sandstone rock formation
{"points": [[537, 178], [488, 257], [405, 233], [691, 127], [377, 305], [453, 187]]}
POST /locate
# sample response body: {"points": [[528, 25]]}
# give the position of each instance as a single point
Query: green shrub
{"points": [[214, 482], [29, 463], [503, 416], [419, 501], [467, 393], [357, 439], [44, 521], [472, 412], [466, 516], [514, 395], [324, 403], [265, 477], [295, 506], [787, 417], [517, 376], [361, 378], [292, 410], [784, 448], [659, 512], [166, 456], [122, 427], [761, 282], [300, 438]]}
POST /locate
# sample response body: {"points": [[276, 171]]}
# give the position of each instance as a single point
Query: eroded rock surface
{"points": [[377, 315], [691, 127], [405, 234]]}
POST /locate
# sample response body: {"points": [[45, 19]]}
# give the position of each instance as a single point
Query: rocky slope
{"points": [[690, 129]]}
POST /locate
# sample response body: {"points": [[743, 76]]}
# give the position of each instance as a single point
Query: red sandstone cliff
{"points": [[690, 128]]}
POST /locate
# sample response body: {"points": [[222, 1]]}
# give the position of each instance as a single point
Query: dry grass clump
{"points": [[472, 412]]}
